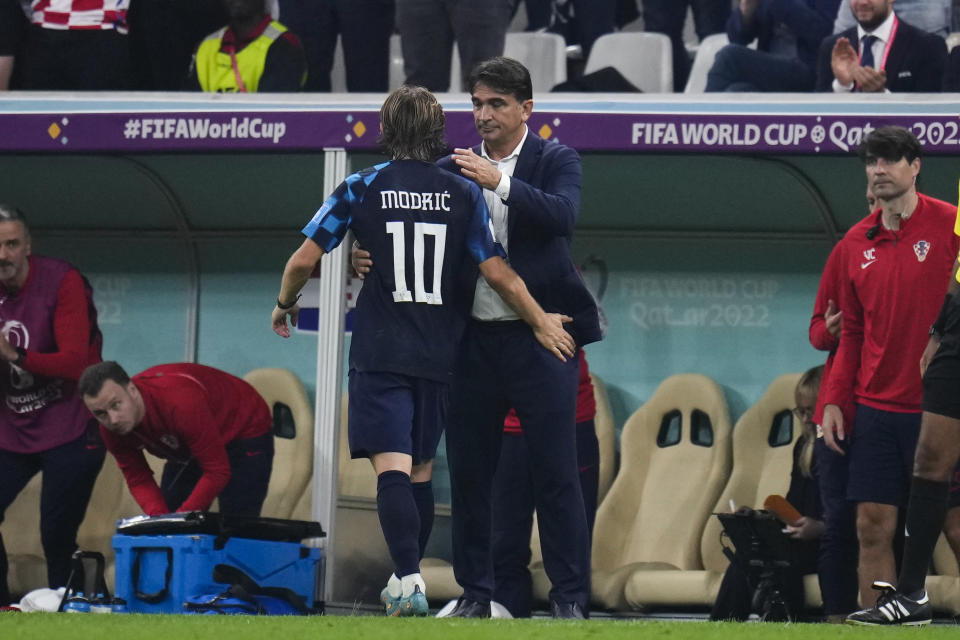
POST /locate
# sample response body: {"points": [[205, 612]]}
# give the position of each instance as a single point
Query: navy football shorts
{"points": [[392, 412], [881, 456]]}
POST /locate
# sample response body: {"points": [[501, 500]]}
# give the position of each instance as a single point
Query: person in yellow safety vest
{"points": [[253, 53]]}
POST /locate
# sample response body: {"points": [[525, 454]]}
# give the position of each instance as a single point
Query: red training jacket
{"points": [[191, 411], [892, 289]]}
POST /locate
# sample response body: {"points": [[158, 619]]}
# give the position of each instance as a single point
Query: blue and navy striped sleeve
{"points": [[329, 224], [480, 239]]}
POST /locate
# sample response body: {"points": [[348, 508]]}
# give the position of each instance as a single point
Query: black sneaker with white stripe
{"points": [[894, 607]]}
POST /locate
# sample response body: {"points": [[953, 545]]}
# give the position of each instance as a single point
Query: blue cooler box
{"points": [[156, 573]]}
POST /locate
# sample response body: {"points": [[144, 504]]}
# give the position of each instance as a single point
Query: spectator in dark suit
{"points": [[930, 15], [788, 33], [882, 53]]}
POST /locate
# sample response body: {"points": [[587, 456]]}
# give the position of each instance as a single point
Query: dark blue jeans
{"points": [[251, 461], [69, 473]]}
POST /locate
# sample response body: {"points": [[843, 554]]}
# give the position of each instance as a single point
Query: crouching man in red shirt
{"points": [[213, 429]]}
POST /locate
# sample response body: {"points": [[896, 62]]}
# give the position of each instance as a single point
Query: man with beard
{"points": [[893, 275], [253, 53], [882, 53], [49, 334]]}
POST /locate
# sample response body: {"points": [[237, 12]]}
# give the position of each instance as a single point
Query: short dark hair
{"points": [[503, 75], [93, 377], [414, 125], [890, 143], [10, 213]]}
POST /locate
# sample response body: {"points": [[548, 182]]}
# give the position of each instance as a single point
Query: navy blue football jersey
{"points": [[420, 224]]}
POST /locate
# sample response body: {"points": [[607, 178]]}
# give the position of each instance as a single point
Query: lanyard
{"points": [[886, 48], [241, 87]]}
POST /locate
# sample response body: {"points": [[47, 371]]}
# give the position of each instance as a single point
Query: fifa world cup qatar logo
{"points": [[18, 336]]}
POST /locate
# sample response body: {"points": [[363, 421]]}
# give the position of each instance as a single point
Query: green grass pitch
{"points": [[60, 626]]}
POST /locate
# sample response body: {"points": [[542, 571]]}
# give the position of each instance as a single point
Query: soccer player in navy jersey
{"points": [[422, 225]]}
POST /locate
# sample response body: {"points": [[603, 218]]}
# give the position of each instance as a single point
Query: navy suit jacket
{"points": [[916, 62], [543, 206]]}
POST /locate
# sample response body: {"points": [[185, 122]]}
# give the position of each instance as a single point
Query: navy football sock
{"points": [[399, 520], [925, 515], [423, 496]]}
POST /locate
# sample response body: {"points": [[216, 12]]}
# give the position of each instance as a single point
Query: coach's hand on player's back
{"points": [[554, 338], [360, 260]]}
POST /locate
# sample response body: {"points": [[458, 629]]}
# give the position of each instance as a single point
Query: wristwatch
{"points": [[288, 305]]}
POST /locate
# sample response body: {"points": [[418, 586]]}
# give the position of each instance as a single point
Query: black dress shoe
{"points": [[470, 609], [567, 610]]}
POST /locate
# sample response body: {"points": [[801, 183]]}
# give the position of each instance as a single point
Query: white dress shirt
{"points": [[882, 34], [487, 303]]}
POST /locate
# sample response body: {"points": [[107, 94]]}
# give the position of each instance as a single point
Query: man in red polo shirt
{"points": [[895, 264], [212, 428]]}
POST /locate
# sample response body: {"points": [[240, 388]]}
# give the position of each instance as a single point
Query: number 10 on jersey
{"points": [[420, 229]]}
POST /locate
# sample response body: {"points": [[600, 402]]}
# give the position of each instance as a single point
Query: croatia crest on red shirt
{"points": [[921, 248]]}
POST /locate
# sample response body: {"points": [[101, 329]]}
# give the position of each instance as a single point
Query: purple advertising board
{"points": [[60, 125]]}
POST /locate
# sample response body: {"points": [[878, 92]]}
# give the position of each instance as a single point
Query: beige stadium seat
{"points": [[763, 440], [944, 586], [356, 476], [293, 442], [643, 58], [674, 461], [438, 573], [21, 537], [21, 528]]}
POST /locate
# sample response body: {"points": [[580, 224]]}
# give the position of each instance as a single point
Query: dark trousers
{"points": [[428, 29], [839, 550], [364, 28], [164, 35], [251, 461], [69, 473], [739, 68], [501, 365], [668, 17], [78, 60], [591, 19], [513, 507]]}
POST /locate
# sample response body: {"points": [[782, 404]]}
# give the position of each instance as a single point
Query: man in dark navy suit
{"points": [[532, 188], [882, 53]]}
